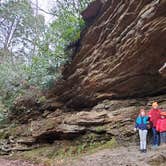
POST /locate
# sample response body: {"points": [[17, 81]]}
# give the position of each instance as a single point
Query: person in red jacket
{"points": [[161, 128], [154, 115]]}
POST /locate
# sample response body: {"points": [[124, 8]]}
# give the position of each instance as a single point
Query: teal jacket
{"points": [[141, 122]]}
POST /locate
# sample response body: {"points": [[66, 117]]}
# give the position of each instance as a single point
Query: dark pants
{"points": [[155, 136], [163, 137]]}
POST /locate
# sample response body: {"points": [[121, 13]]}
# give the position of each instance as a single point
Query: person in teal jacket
{"points": [[141, 125]]}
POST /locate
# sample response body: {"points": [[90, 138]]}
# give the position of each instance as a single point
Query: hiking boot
{"points": [[144, 150], [141, 150]]}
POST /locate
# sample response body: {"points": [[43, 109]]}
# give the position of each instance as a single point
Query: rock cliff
{"points": [[118, 67], [120, 53]]}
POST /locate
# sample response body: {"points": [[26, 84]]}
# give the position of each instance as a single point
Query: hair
{"points": [[155, 103], [142, 110]]}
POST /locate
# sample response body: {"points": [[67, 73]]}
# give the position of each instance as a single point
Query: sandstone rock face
{"points": [[162, 70], [120, 54], [116, 70], [92, 11]]}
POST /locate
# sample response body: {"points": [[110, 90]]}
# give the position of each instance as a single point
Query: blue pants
{"points": [[163, 137], [155, 136]]}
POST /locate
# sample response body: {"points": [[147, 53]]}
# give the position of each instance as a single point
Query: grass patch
{"points": [[100, 129], [52, 154]]}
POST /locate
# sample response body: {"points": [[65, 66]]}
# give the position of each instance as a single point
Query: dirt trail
{"points": [[122, 156], [6, 162]]}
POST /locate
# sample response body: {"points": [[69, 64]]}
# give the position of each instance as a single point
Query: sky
{"points": [[45, 5]]}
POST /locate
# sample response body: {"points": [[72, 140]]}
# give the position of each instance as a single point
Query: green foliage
{"points": [[100, 129], [3, 112], [19, 28], [64, 29], [42, 72], [32, 52], [53, 154]]}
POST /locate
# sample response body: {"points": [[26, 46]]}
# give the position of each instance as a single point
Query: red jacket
{"points": [[161, 125], [154, 115]]}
